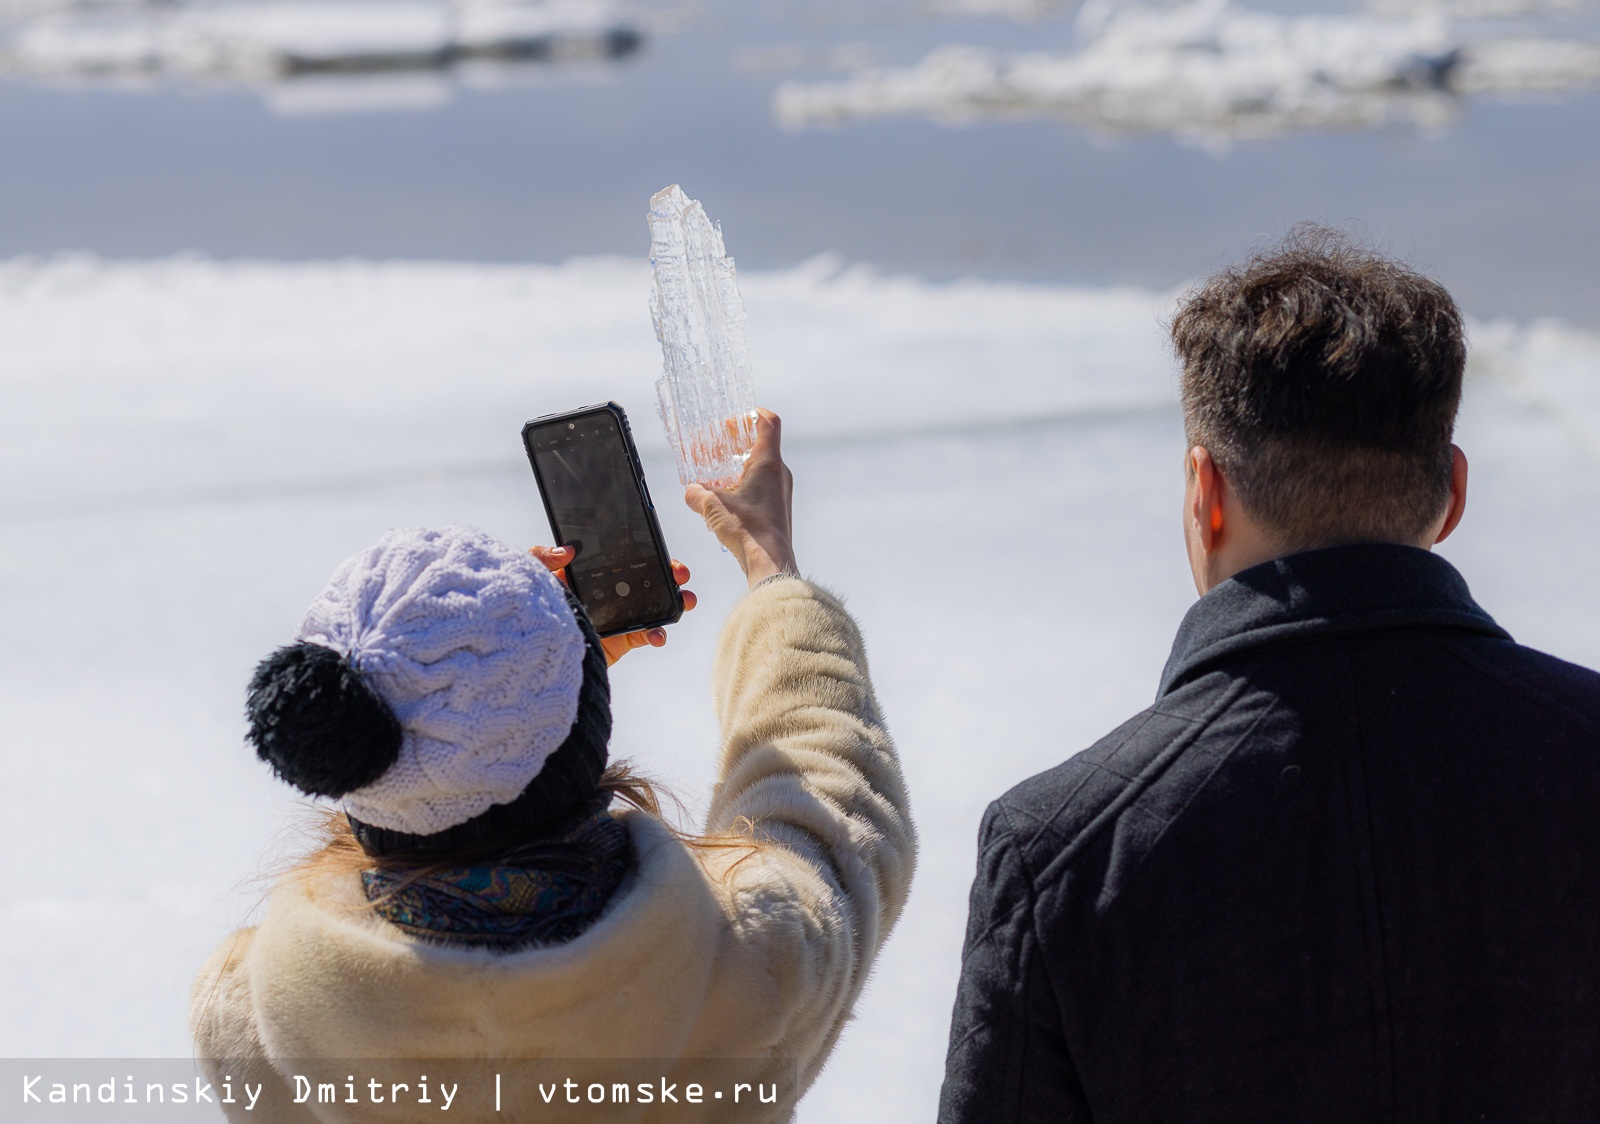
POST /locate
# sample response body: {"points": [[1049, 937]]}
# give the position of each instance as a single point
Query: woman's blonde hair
{"points": [[337, 851]]}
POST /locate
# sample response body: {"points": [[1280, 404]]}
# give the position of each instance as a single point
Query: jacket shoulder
{"points": [[1547, 683], [1057, 812]]}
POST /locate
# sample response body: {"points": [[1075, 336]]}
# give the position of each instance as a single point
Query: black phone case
{"points": [[643, 492]]}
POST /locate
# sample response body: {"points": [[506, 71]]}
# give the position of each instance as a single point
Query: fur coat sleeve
{"points": [[806, 758]]}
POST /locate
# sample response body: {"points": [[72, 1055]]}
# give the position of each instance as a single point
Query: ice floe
{"points": [[1212, 71], [1023, 11], [262, 39], [19, 9], [1472, 9]]}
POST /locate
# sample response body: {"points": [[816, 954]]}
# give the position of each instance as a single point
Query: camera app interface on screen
{"points": [[598, 509]]}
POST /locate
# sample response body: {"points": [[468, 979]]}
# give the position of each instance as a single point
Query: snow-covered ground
{"points": [[1214, 71], [989, 472]]}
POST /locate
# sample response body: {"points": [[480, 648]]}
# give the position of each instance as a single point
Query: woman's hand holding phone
{"points": [[754, 519], [557, 557]]}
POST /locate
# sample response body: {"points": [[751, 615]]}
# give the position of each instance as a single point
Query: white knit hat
{"points": [[474, 648]]}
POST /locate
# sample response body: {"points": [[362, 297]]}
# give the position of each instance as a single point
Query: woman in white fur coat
{"points": [[477, 896]]}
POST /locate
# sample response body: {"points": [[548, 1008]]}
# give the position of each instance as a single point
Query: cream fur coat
{"points": [[756, 953]]}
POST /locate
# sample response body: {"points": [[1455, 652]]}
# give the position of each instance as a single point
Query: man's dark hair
{"points": [[1324, 379]]}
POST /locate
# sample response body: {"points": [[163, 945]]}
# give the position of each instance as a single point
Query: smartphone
{"points": [[589, 475]]}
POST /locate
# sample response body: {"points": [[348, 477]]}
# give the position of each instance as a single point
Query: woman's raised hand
{"points": [[754, 518]]}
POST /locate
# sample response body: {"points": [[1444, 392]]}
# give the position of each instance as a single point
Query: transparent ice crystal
{"points": [[705, 399]]}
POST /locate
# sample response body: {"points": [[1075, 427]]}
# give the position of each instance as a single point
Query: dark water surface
{"points": [[1501, 204]]}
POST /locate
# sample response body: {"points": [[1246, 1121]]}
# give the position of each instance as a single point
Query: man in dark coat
{"points": [[1347, 867]]}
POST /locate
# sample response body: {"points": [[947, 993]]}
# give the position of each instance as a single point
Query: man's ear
{"points": [[1205, 502], [1458, 493]]}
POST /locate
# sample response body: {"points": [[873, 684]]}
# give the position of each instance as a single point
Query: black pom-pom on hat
{"points": [[318, 725]]}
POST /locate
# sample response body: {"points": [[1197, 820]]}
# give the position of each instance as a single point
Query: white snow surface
{"points": [[1213, 71], [989, 473]]}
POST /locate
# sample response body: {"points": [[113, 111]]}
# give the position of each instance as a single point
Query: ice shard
{"points": [[704, 396]]}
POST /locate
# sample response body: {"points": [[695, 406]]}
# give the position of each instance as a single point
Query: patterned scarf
{"points": [[545, 892]]}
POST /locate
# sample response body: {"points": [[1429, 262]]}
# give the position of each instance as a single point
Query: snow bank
{"points": [[258, 40], [192, 354], [384, 348], [990, 472], [1548, 366], [1212, 71]]}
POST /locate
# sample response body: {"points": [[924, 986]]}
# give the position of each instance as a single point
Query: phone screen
{"points": [[598, 506]]}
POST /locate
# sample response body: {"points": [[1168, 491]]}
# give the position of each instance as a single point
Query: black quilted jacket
{"points": [[1346, 869]]}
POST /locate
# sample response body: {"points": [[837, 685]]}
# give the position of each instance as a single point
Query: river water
{"points": [[554, 163]]}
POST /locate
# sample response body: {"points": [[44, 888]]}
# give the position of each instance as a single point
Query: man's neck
{"points": [[1245, 552]]}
